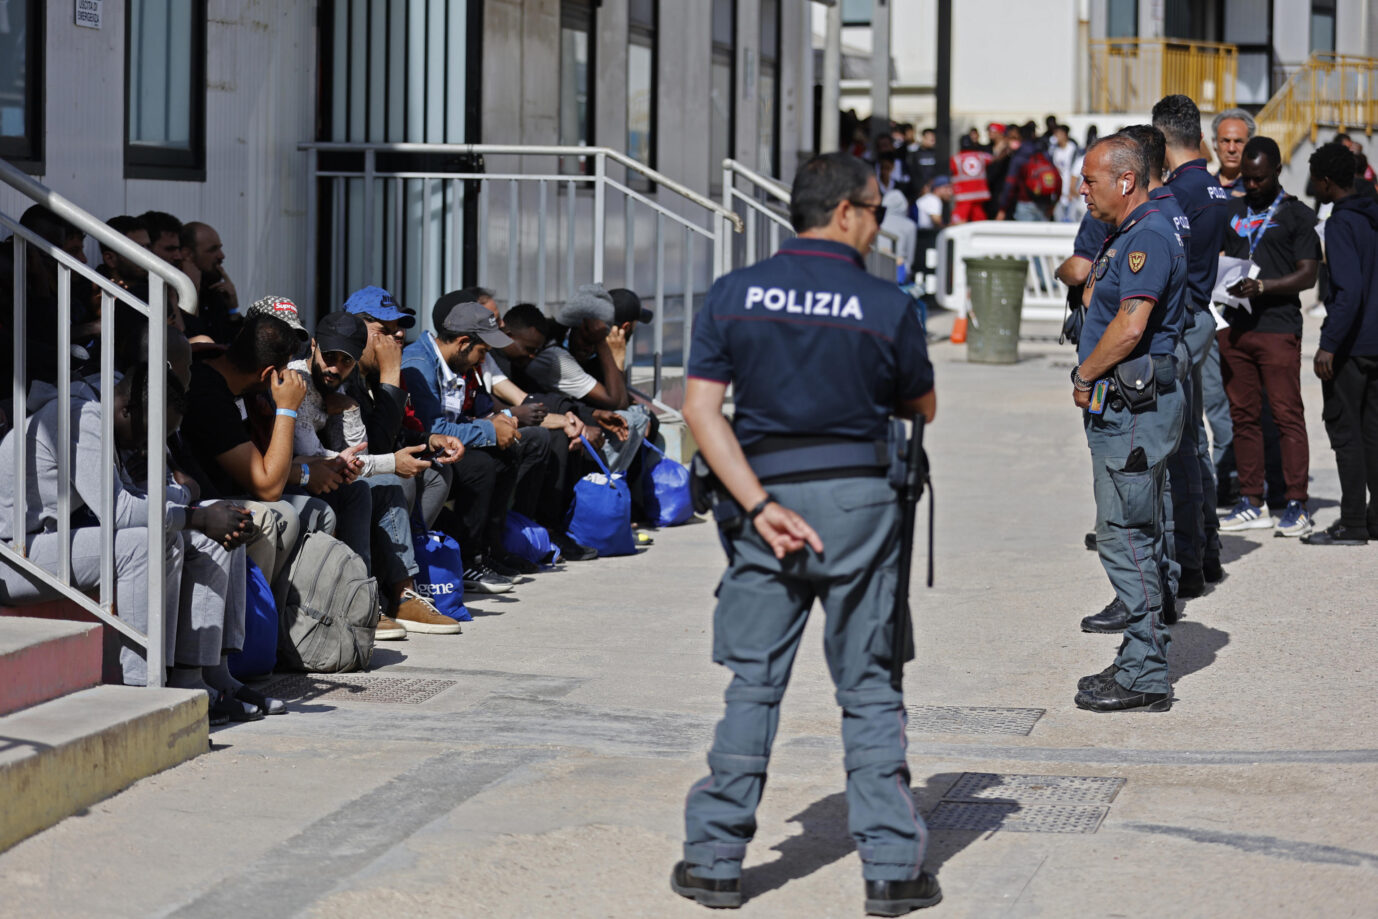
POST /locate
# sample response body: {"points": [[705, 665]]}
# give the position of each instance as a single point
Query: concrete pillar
{"points": [[832, 82], [880, 65]]}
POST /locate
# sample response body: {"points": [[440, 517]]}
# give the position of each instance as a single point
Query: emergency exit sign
{"points": [[88, 13]]}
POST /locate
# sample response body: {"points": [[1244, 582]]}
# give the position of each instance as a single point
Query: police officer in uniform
{"points": [[1126, 384], [820, 355]]}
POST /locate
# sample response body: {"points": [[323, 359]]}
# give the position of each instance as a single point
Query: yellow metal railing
{"points": [[1130, 74], [1329, 90]]}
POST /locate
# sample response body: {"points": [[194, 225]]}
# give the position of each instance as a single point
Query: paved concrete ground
{"points": [[548, 780]]}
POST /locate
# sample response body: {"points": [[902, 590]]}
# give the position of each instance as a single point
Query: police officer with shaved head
{"points": [[820, 356], [1127, 384]]}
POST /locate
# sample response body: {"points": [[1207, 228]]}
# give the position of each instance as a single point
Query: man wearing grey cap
{"points": [[440, 374], [586, 359]]}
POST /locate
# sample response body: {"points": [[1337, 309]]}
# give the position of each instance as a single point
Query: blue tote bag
{"points": [[440, 574], [259, 655], [601, 513], [527, 539], [665, 490]]}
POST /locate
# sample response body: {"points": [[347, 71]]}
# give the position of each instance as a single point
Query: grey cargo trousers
{"points": [[763, 604]]}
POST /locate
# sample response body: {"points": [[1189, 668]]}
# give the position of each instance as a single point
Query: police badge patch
{"points": [[1136, 261], [1101, 267]]}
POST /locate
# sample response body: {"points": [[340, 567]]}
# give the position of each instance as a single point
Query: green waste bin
{"points": [[997, 297]]}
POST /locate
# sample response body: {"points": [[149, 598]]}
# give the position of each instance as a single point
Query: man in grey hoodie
{"points": [[224, 525]]}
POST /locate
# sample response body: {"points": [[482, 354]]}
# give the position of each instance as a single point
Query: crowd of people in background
{"points": [[277, 430]]}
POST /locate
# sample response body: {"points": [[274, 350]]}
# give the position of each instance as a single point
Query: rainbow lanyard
{"points": [[1256, 229]]}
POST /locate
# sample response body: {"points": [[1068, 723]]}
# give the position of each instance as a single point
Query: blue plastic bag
{"points": [[440, 574], [527, 539], [259, 655], [665, 490], [601, 513]]}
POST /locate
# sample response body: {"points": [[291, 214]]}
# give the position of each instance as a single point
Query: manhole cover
{"points": [[1035, 789], [1015, 818], [308, 687], [953, 719]]}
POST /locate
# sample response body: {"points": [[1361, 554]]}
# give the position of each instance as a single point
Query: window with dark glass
{"points": [[21, 83], [857, 12], [576, 81], [642, 19], [165, 90], [722, 125], [767, 92], [1122, 18], [1323, 26]]}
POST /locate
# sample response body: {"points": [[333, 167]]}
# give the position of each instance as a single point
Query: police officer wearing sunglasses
{"points": [[821, 355], [1127, 385]]}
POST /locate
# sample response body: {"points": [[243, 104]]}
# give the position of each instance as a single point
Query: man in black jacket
{"points": [[1347, 360]]}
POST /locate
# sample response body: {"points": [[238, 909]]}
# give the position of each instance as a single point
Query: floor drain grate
{"points": [[309, 687], [1015, 818], [1035, 789], [953, 719]]}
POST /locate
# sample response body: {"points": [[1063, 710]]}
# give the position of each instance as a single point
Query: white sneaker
{"points": [[1246, 517]]}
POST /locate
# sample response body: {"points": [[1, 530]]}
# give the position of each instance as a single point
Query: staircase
{"points": [[66, 741], [1333, 91]]}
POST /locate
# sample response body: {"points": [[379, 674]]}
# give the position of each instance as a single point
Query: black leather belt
{"points": [[774, 460]]}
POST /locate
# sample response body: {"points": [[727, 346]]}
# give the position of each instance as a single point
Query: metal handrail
{"points": [[101, 231], [652, 175], [1146, 69], [1319, 93], [103, 606]]}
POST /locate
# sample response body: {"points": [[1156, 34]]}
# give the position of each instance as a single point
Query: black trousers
{"points": [[482, 490], [1350, 412], [542, 470]]}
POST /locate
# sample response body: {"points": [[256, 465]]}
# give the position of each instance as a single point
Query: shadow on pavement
{"points": [[1194, 647], [825, 839], [1233, 548]]}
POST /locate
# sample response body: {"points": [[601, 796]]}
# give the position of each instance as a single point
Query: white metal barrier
{"points": [[46, 256], [764, 209], [1045, 245], [404, 215]]}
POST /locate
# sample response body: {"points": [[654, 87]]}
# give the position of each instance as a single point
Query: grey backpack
{"points": [[331, 610]]}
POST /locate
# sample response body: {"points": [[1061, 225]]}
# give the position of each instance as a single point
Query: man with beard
{"points": [[376, 516], [1261, 350]]}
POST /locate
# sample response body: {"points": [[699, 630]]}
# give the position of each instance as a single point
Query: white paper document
{"points": [[1231, 272]]}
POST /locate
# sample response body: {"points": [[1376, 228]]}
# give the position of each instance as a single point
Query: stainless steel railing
{"points": [[160, 276], [763, 205], [548, 218]]}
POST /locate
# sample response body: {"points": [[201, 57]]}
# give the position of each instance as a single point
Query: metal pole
{"points": [[629, 241], [600, 192], [540, 244], [829, 123], [157, 480], [513, 217], [482, 233], [571, 210], [20, 411], [64, 424], [106, 511], [943, 98], [425, 240], [369, 158], [659, 333], [688, 298]]}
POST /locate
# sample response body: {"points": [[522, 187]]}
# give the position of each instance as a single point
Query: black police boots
{"points": [[896, 898], [1110, 696], [1337, 535], [716, 893], [1212, 570], [1095, 680], [1191, 584], [1114, 618]]}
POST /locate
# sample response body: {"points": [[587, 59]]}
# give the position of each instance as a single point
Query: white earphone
{"points": [[1124, 187]]}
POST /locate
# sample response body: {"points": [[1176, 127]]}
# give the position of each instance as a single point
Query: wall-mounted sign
{"points": [[87, 13]]}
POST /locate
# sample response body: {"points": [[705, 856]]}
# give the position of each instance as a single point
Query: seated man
{"points": [[227, 462], [217, 316], [194, 596], [339, 344], [589, 336]]}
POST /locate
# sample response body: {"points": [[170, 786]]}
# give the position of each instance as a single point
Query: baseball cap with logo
{"points": [[343, 332], [379, 304], [279, 308], [475, 319], [626, 307]]}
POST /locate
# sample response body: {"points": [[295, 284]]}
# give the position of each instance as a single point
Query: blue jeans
{"points": [[763, 604], [1130, 525], [391, 542], [1216, 405]]}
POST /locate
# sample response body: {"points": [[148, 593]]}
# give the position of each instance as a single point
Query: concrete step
{"points": [[61, 756], [42, 659]]}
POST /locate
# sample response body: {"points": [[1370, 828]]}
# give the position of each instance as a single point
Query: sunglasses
{"points": [[877, 209]]}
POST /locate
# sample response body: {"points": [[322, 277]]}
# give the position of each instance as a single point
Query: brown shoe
{"points": [[388, 629], [419, 614]]}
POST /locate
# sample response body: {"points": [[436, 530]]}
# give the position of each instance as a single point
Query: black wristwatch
{"points": [[1078, 382], [756, 511]]}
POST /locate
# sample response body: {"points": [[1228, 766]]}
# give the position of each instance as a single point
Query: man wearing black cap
{"points": [[373, 512]]}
